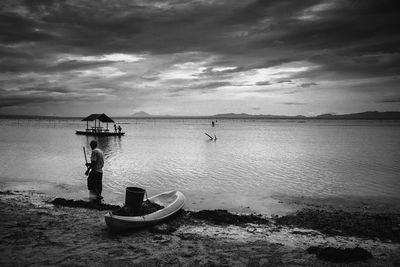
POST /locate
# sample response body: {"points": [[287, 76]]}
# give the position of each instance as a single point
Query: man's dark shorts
{"points": [[94, 182]]}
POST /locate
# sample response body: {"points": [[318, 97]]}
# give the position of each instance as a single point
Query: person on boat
{"points": [[95, 179], [119, 129]]}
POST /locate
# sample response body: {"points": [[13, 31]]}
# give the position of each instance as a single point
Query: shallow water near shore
{"points": [[252, 165]]}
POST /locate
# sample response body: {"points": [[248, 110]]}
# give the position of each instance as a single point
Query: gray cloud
{"points": [[76, 64], [212, 85], [390, 99], [347, 31], [341, 40], [264, 83], [42, 98], [285, 81], [306, 85], [203, 87], [293, 103]]}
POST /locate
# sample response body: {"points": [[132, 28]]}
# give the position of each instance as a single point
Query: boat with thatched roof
{"points": [[98, 129]]}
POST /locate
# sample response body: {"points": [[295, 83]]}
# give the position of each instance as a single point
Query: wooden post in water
{"points": [[209, 136]]}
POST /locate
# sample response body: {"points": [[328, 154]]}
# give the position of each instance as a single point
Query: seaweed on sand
{"points": [[225, 217], [83, 204], [146, 208], [339, 254]]}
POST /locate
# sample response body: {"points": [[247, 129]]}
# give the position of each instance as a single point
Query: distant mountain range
{"points": [[369, 115]]}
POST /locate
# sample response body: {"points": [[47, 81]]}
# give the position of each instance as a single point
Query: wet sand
{"points": [[36, 232]]}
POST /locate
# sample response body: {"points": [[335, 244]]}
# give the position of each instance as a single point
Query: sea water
{"points": [[250, 165]]}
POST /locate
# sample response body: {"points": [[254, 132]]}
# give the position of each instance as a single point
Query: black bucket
{"points": [[134, 198]]}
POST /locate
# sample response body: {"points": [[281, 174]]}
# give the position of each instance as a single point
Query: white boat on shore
{"points": [[172, 202]]}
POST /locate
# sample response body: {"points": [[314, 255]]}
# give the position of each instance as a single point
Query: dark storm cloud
{"points": [[76, 64], [349, 25], [123, 26], [254, 11], [347, 28], [359, 38], [15, 28]]}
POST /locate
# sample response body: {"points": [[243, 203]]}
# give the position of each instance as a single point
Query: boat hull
{"points": [[99, 133], [172, 201]]}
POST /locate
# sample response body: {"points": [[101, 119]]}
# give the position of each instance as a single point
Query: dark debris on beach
{"points": [[147, 208], [83, 204], [374, 226], [340, 254], [225, 217]]}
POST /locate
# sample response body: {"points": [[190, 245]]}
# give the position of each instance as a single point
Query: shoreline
{"points": [[36, 232], [276, 204]]}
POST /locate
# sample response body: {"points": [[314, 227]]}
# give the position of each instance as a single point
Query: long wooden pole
{"points": [[84, 153], [209, 136]]}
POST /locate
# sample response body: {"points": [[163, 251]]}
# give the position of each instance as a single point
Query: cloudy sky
{"points": [[205, 57]]}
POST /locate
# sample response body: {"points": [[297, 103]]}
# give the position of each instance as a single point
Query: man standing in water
{"points": [[94, 181]]}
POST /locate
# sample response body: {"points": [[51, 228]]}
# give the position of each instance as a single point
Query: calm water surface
{"points": [[251, 163]]}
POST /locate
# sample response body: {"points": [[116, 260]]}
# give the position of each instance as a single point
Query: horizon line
{"points": [[215, 116]]}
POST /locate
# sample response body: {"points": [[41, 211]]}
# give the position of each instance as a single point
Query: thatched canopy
{"points": [[101, 117]]}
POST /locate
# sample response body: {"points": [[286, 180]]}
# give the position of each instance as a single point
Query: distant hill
{"points": [[141, 114], [369, 115]]}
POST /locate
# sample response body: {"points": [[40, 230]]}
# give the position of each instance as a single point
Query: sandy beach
{"points": [[36, 232]]}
